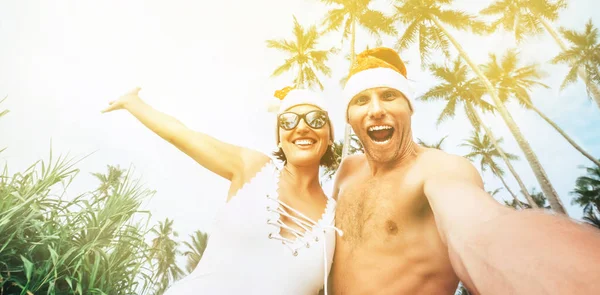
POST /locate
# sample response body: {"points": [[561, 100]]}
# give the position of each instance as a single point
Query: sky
{"points": [[206, 63]]}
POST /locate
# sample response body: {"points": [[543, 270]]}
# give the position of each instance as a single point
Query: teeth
{"points": [[304, 142], [382, 142], [381, 127]]}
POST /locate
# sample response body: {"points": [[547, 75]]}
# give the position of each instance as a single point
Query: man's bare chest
{"points": [[379, 209]]}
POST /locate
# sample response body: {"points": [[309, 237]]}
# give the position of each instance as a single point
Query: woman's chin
{"points": [[304, 161]]}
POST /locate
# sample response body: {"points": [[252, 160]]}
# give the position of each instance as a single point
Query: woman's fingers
{"points": [[111, 107], [118, 104]]}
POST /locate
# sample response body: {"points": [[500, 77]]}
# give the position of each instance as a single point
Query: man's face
{"points": [[380, 117]]}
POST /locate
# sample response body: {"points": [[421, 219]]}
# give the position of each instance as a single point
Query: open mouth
{"points": [[304, 142], [380, 133]]}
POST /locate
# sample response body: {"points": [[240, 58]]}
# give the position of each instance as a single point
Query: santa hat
{"points": [[289, 97], [377, 67]]}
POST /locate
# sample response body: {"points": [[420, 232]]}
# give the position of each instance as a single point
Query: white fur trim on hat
{"points": [[373, 78], [300, 97]]}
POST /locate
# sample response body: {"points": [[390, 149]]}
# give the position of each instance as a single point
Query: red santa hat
{"points": [[377, 67]]}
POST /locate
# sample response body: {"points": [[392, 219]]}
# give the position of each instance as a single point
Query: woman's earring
{"points": [[279, 145]]}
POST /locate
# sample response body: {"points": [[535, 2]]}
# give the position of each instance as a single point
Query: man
{"points": [[418, 220]]}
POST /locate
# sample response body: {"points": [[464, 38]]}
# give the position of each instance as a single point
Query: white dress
{"points": [[247, 255]]}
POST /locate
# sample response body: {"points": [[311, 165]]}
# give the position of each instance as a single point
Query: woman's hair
{"points": [[327, 160]]}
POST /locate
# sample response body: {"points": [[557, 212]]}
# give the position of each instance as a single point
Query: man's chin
{"points": [[381, 151]]}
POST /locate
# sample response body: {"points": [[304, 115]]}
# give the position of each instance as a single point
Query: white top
{"points": [[247, 255]]}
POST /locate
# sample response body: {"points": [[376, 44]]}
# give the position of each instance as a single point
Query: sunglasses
{"points": [[315, 119]]}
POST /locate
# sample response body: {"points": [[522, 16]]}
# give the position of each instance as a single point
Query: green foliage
{"points": [[480, 146], [435, 145], [523, 17], [303, 57], [511, 79], [421, 19], [583, 54], [587, 190], [164, 254], [346, 12], [538, 198], [195, 249], [457, 87], [592, 219], [355, 147], [52, 244]]}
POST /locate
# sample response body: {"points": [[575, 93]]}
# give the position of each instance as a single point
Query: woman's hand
{"points": [[124, 101]]}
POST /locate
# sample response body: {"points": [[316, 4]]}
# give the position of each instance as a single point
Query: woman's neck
{"points": [[303, 179]]}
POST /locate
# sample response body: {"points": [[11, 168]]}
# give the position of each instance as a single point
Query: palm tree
{"points": [[164, 252], [435, 145], [458, 88], [584, 57], [110, 180], [482, 147], [516, 82], [592, 219], [531, 17], [195, 249], [426, 22], [587, 190], [538, 198], [303, 58], [349, 14]]}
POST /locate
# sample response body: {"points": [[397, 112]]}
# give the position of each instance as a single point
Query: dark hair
{"points": [[328, 159]]}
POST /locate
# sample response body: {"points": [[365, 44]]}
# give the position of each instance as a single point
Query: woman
{"points": [[275, 234]]}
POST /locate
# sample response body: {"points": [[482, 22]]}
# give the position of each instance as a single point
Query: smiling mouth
{"points": [[380, 133], [304, 142]]}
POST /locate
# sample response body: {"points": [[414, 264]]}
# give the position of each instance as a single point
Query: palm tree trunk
{"points": [[348, 129], [531, 157], [564, 134], [517, 201], [512, 170], [582, 75]]}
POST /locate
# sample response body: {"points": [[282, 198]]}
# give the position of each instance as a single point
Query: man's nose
{"points": [[375, 109]]}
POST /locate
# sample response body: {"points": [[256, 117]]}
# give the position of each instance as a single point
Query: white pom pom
{"points": [[273, 106]]}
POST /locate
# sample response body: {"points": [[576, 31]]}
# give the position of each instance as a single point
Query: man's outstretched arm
{"points": [[498, 250]]}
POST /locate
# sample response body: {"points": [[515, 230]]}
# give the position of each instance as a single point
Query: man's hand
{"points": [[124, 101]]}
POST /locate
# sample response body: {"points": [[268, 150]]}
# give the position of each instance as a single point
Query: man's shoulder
{"points": [[439, 163], [442, 158], [348, 164], [351, 163]]}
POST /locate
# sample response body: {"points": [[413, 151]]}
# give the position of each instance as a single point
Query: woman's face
{"points": [[303, 145]]}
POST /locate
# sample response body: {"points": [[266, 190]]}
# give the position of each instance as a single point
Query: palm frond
{"points": [[376, 22], [284, 67]]}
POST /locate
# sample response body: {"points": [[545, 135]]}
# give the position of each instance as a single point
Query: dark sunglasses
{"points": [[315, 119]]}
